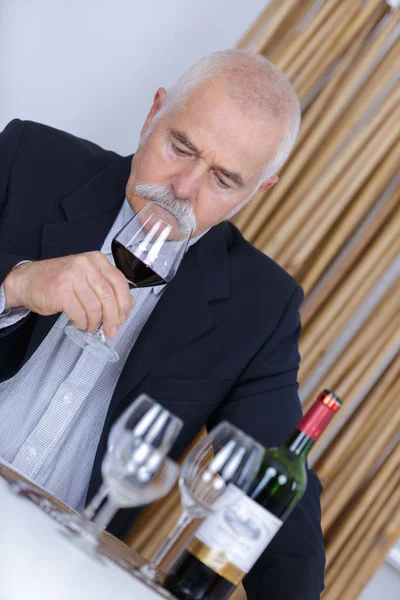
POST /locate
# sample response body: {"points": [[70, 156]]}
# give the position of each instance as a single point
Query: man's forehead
{"points": [[215, 125]]}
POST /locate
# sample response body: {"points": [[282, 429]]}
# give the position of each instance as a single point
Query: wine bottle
{"points": [[232, 538]]}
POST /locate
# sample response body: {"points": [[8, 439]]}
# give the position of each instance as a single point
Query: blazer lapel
{"points": [[90, 212]]}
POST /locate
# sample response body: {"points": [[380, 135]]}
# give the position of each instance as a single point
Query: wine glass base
{"points": [[84, 535], [92, 342], [148, 571], [148, 574]]}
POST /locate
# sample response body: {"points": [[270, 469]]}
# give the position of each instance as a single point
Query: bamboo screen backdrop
{"points": [[333, 223]]}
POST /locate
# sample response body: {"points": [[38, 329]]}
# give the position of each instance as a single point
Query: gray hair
{"points": [[261, 89], [182, 210]]}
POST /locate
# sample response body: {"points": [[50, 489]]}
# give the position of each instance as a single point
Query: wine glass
{"points": [[225, 456], [148, 250], [135, 469]]}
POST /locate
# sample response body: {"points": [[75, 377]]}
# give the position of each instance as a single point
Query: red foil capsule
{"points": [[319, 415]]}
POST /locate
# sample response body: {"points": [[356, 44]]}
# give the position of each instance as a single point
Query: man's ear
{"points": [[269, 183], [158, 101]]}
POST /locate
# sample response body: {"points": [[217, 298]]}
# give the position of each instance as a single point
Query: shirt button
{"points": [[67, 398], [31, 452]]}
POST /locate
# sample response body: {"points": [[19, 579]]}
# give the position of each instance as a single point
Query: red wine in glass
{"points": [[137, 273]]}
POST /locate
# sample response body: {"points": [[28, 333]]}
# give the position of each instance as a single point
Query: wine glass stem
{"points": [[99, 331], [93, 506], [105, 514], [184, 520]]}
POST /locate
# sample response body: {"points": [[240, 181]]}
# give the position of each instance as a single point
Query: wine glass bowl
{"points": [[142, 483], [225, 456], [135, 468], [148, 251]]}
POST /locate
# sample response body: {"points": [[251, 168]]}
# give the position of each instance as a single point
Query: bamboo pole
{"points": [[238, 594], [337, 538], [333, 430], [258, 25], [353, 21], [340, 320], [329, 208], [304, 36], [342, 488], [294, 26], [287, 31], [360, 426], [334, 569], [324, 188], [320, 42], [347, 298], [276, 20], [345, 42], [326, 461], [375, 556], [268, 203], [146, 540], [328, 130], [351, 220], [362, 348], [359, 376], [385, 341], [289, 54], [348, 260], [353, 68], [339, 586], [325, 44], [338, 98]]}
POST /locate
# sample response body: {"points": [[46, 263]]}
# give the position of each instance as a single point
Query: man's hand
{"points": [[86, 287]]}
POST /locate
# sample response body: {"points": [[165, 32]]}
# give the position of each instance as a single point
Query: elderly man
{"points": [[218, 342]]}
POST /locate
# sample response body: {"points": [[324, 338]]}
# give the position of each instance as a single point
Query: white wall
{"points": [[385, 585], [91, 67]]}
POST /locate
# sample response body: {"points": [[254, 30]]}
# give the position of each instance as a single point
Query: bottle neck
{"points": [[313, 423], [299, 443]]}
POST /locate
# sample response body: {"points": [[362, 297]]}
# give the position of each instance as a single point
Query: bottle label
{"points": [[233, 537]]}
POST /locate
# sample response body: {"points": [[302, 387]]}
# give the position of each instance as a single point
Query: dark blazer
{"points": [[220, 344]]}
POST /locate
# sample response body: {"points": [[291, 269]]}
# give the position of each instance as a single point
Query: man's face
{"points": [[208, 153]]}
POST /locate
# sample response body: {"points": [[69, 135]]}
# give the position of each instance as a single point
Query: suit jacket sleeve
{"points": [[10, 139], [265, 404]]}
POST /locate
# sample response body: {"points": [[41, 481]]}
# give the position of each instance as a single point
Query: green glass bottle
{"points": [[229, 542]]}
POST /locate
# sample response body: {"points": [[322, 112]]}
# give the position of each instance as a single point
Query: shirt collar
{"points": [[125, 214]]}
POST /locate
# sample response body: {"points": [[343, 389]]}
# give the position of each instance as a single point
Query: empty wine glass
{"points": [[225, 456], [135, 469], [148, 250]]}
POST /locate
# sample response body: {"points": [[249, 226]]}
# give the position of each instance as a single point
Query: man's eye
{"points": [[221, 182], [179, 151]]}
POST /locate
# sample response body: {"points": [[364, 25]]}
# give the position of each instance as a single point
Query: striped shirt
{"points": [[53, 410]]}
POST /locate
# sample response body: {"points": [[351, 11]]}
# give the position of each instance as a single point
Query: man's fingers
{"points": [[90, 303], [105, 293], [75, 311], [121, 289]]}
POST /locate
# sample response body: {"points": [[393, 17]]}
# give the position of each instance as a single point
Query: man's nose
{"points": [[186, 185]]}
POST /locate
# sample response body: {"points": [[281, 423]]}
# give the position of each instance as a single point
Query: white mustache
{"points": [[181, 209]]}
